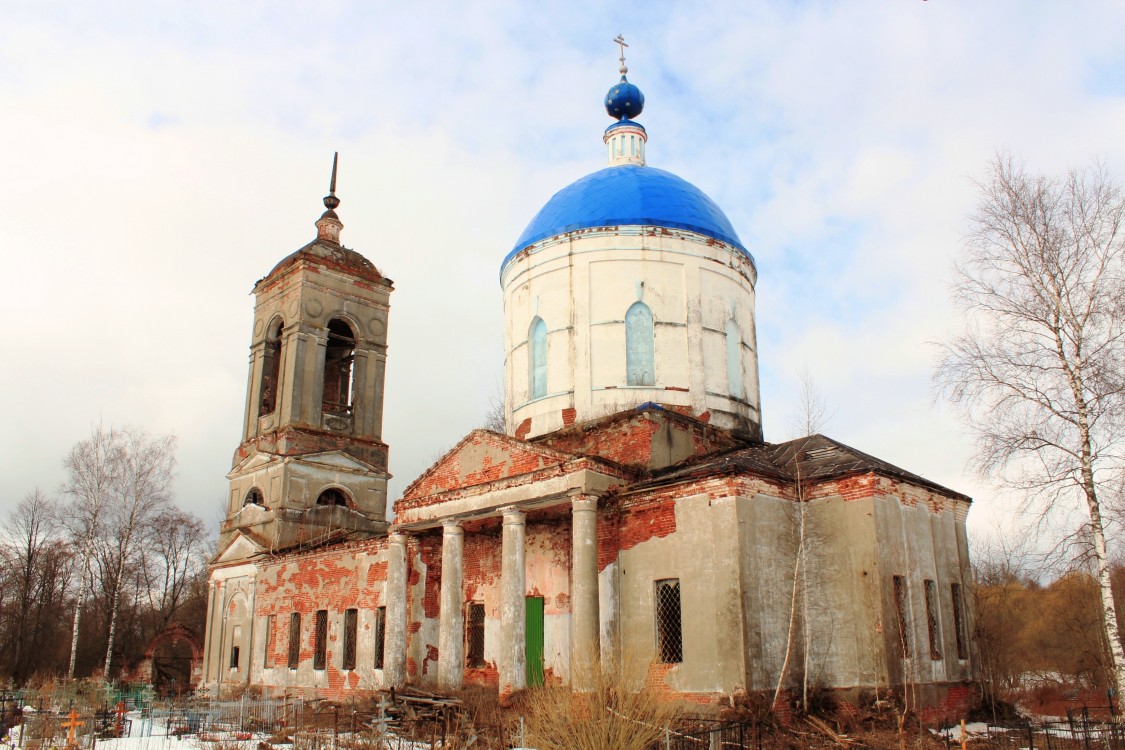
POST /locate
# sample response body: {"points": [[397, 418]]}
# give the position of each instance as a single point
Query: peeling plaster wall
{"points": [[730, 540], [702, 552], [334, 580]]}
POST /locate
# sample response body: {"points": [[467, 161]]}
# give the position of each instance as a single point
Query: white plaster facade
{"points": [[581, 284]]}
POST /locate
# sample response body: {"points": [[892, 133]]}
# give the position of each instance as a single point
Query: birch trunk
{"points": [[798, 571], [78, 618]]}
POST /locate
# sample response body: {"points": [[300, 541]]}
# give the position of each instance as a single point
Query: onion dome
{"points": [[624, 101]]}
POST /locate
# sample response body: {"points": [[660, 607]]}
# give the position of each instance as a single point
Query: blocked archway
{"points": [[174, 660]]}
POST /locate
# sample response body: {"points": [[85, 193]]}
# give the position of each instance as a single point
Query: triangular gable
{"points": [[240, 547], [331, 459], [647, 438], [339, 460], [481, 457], [253, 462]]}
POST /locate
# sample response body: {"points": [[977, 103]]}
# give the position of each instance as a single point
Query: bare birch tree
{"points": [[811, 417], [141, 491], [1039, 370], [90, 476]]}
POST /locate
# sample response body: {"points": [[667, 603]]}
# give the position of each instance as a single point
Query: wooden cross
{"points": [[620, 42], [71, 726], [120, 711]]}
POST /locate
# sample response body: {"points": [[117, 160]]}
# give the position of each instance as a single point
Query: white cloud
{"points": [[158, 160]]}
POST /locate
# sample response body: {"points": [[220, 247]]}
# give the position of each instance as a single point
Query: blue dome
{"points": [[624, 100], [629, 196]]}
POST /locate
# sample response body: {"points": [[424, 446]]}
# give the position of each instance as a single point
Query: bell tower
{"points": [[312, 465]]}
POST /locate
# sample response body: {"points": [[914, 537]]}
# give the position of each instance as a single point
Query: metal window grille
{"points": [[351, 623], [900, 612], [959, 621], [669, 627], [294, 640], [266, 661], [932, 619], [380, 630], [474, 635], [320, 653]]}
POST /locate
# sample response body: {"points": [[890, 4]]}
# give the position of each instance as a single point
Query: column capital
{"points": [[451, 527], [398, 537], [514, 516], [584, 503]]}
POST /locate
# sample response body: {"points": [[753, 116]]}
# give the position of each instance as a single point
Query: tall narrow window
{"points": [[271, 367], [236, 639], [379, 631], [351, 623], [474, 635], [267, 657], [900, 613], [320, 650], [932, 619], [338, 358], [294, 640], [734, 360], [959, 621], [537, 359], [639, 344], [669, 625]]}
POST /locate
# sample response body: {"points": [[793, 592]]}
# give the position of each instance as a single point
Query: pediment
{"points": [[239, 548], [253, 462], [328, 459], [481, 457], [339, 460]]}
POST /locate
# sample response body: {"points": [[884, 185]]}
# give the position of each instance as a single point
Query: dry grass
{"points": [[613, 716]]}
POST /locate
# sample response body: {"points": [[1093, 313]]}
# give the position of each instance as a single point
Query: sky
{"points": [[157, 158]]}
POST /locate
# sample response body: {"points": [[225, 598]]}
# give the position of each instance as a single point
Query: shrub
{"points": [[612, 716]]}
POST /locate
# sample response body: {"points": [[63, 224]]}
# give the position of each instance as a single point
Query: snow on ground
{"points": [[149, 734]]}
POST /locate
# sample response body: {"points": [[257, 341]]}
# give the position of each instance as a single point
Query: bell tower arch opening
{"points": [[271, 367], [339, 369]]}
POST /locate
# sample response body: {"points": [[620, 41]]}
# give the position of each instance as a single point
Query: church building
{"points": [[630, 517]]}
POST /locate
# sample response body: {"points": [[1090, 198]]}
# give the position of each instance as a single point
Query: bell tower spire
{"points": [[328, 226], [312, 461]]}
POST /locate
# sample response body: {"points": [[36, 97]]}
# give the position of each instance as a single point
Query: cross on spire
{"points": [[620, 42]]}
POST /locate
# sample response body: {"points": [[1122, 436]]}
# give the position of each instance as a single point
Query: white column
{"points": [[210, 632], [513, 605], [394, 664], [584, 615], [451, 637]]}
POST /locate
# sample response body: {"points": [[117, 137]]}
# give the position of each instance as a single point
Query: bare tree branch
{"points": [[1039, 370]]}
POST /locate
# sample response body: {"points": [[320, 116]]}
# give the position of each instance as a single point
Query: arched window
{"points": [[271, 367], [338, 357], [332, 496], [537, 359], [254, 497], [639, 343], [734, 360]]}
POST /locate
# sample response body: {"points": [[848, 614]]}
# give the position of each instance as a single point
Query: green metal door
{"points": [[534, 631]]}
